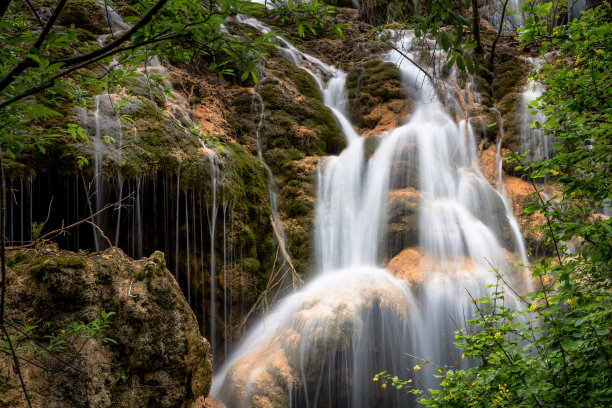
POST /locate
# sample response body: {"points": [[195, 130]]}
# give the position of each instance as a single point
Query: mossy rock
{"points": [[374, 88], [247, 190], [341, 3], [155, 339], [85, 15], [295, 114], [510, 75]]}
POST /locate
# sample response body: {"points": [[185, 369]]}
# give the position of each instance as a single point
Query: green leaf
{"points": [[443, 40]]}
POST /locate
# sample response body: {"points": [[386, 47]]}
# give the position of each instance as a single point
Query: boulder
{"points": [[377, 97], [152, 353]]}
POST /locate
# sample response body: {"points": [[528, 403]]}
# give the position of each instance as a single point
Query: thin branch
{"points": [[35, 14], [16, 360], [51, 353], [499, 32], [284, 252], [110, 244], [115, 44], [52, 234], [403, 54]]}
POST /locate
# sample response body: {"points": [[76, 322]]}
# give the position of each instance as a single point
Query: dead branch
{"points": [[295, 277], [275, 281], [52, 234], [403, 54], [100, 232]]}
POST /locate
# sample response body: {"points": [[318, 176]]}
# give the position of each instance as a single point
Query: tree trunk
{"points": [[476, 27]]}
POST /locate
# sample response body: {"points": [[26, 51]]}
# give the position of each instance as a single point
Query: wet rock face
{"points": [[522, 193], [377, 96], [510, 79], [156, 343], [403, 220], [297, 129]]}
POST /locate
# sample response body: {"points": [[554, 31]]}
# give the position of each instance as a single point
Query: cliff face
{"points": [[151, 354]]}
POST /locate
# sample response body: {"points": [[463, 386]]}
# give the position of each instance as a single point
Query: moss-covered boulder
{"points": [[87, 16], [151, 353], [377, 96]]}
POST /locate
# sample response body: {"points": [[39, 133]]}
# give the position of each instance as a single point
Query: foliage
{"points": [[556, 350], [306, 15], [441, 21], [28, 344], [42, 71]]}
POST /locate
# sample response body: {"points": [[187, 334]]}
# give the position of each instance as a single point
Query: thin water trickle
{"points": [[534, 144], [212, 225]]}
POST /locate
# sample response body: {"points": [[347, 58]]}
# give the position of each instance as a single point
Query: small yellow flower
{"points": [[417, 367], [463, 356], [474, 301], [384, 386], [546, 279], [571, 302], [497, 335], [375, 378], [533, 307], [600, 51]]}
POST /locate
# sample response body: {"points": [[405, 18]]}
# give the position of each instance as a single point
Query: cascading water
{"points": [[321, 345], [536, 145]]}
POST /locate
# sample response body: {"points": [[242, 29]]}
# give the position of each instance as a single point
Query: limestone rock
{"points": [[522, 197], [377, 96], [403, 220], [156, 343]]}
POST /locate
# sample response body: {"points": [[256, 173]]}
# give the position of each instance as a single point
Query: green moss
{"points": [[154, 267], [306, 124], [306, 84], [41, 265], [247, 190], [370, 85], [251, 265], [16, 258], [510, 75], [84, 15]]}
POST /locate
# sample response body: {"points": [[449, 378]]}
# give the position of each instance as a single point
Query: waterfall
{"points": [[321, 345]]}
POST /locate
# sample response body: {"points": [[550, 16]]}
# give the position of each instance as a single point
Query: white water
{"points": [[537, 146], [321, 345]]}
